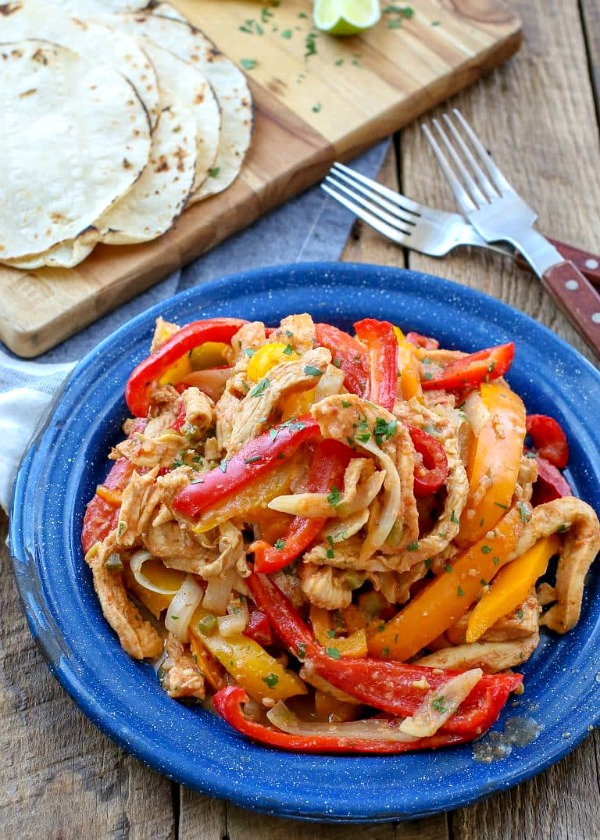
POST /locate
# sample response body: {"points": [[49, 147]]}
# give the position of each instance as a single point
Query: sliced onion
{"points": [[211, 381], [330, 383], [374, 729], [218, 592], [476, 412], [136, 563], [440, 704], [182, 608], [232, 625]]}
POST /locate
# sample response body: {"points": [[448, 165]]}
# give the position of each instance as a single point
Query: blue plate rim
{"points": [[89, 705]]}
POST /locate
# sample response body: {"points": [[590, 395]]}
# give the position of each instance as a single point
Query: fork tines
{"points": [[474, 187], [382, 208]]}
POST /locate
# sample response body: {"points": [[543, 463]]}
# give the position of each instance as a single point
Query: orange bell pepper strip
{"points": [[511, 586], [494, 463], [354, 644], [440, 604], [408, 368]]}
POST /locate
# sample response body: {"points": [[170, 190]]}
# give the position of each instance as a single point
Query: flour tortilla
{"points": [[155, 201], [182, 84], [66, 255], [92, 40], [227, 81], [74, 139]]}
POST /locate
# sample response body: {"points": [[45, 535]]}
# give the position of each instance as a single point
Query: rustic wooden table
{"points": [[62, 779]]}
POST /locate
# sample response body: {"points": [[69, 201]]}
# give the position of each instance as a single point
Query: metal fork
{"points": [[498, 213], [421, 228]]}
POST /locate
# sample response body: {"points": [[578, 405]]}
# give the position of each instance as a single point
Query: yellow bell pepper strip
{"points": [[211, 354], [379, 736], [472, 370], [174, 374], [347, 353], [408, 368], [440, 604], [249, 663], [257, 457], [511, 586], [382, 350], [150, 370], [394, 687], [251, 501], [267, 356], [494, 463]]}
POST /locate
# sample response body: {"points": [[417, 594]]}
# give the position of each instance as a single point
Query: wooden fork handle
{"points": [[586, 262], [577, 298]]}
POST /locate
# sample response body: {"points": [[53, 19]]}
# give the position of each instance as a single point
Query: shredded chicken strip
{"points": [[578, 525], [140, 500], [492, 657], [347, 417], [180, 675], [136, 635], [298, 331], [283, 379]]}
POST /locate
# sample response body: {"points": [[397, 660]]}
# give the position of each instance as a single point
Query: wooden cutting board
{"points": [[317, 99]]}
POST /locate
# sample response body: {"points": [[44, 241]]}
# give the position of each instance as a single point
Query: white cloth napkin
{"points": [[309, 227]]}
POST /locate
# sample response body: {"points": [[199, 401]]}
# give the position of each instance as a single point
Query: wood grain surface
{"points": [[62, 779], [312, 105]]}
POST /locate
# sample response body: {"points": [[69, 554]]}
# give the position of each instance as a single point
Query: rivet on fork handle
{"points": [[576, 298]]}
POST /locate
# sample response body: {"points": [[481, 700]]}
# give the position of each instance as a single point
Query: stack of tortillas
{"points": [[115, 118]]}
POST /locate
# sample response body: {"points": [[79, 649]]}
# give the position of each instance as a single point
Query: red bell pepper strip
{"points": [[259, 628], [432, 471], [423, 341], [229, 701], [137, 391], [327, 468], [382, 348], [347, 353], [101, 516], [548, 438], [394, 687], [550, 483], [253, 460], [472, 370]]}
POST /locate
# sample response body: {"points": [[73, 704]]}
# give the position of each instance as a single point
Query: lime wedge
{"points": [[346, 17]]}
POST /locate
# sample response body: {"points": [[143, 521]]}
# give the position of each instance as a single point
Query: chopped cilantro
{"points": [[248, 63], [438, 704], [309, 370], [279, 544], [260, 387], [271, 680], [214, 171], [334, 497], [333, 652]]}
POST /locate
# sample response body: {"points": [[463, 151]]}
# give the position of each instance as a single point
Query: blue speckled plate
{"points": [[122, 697]]}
